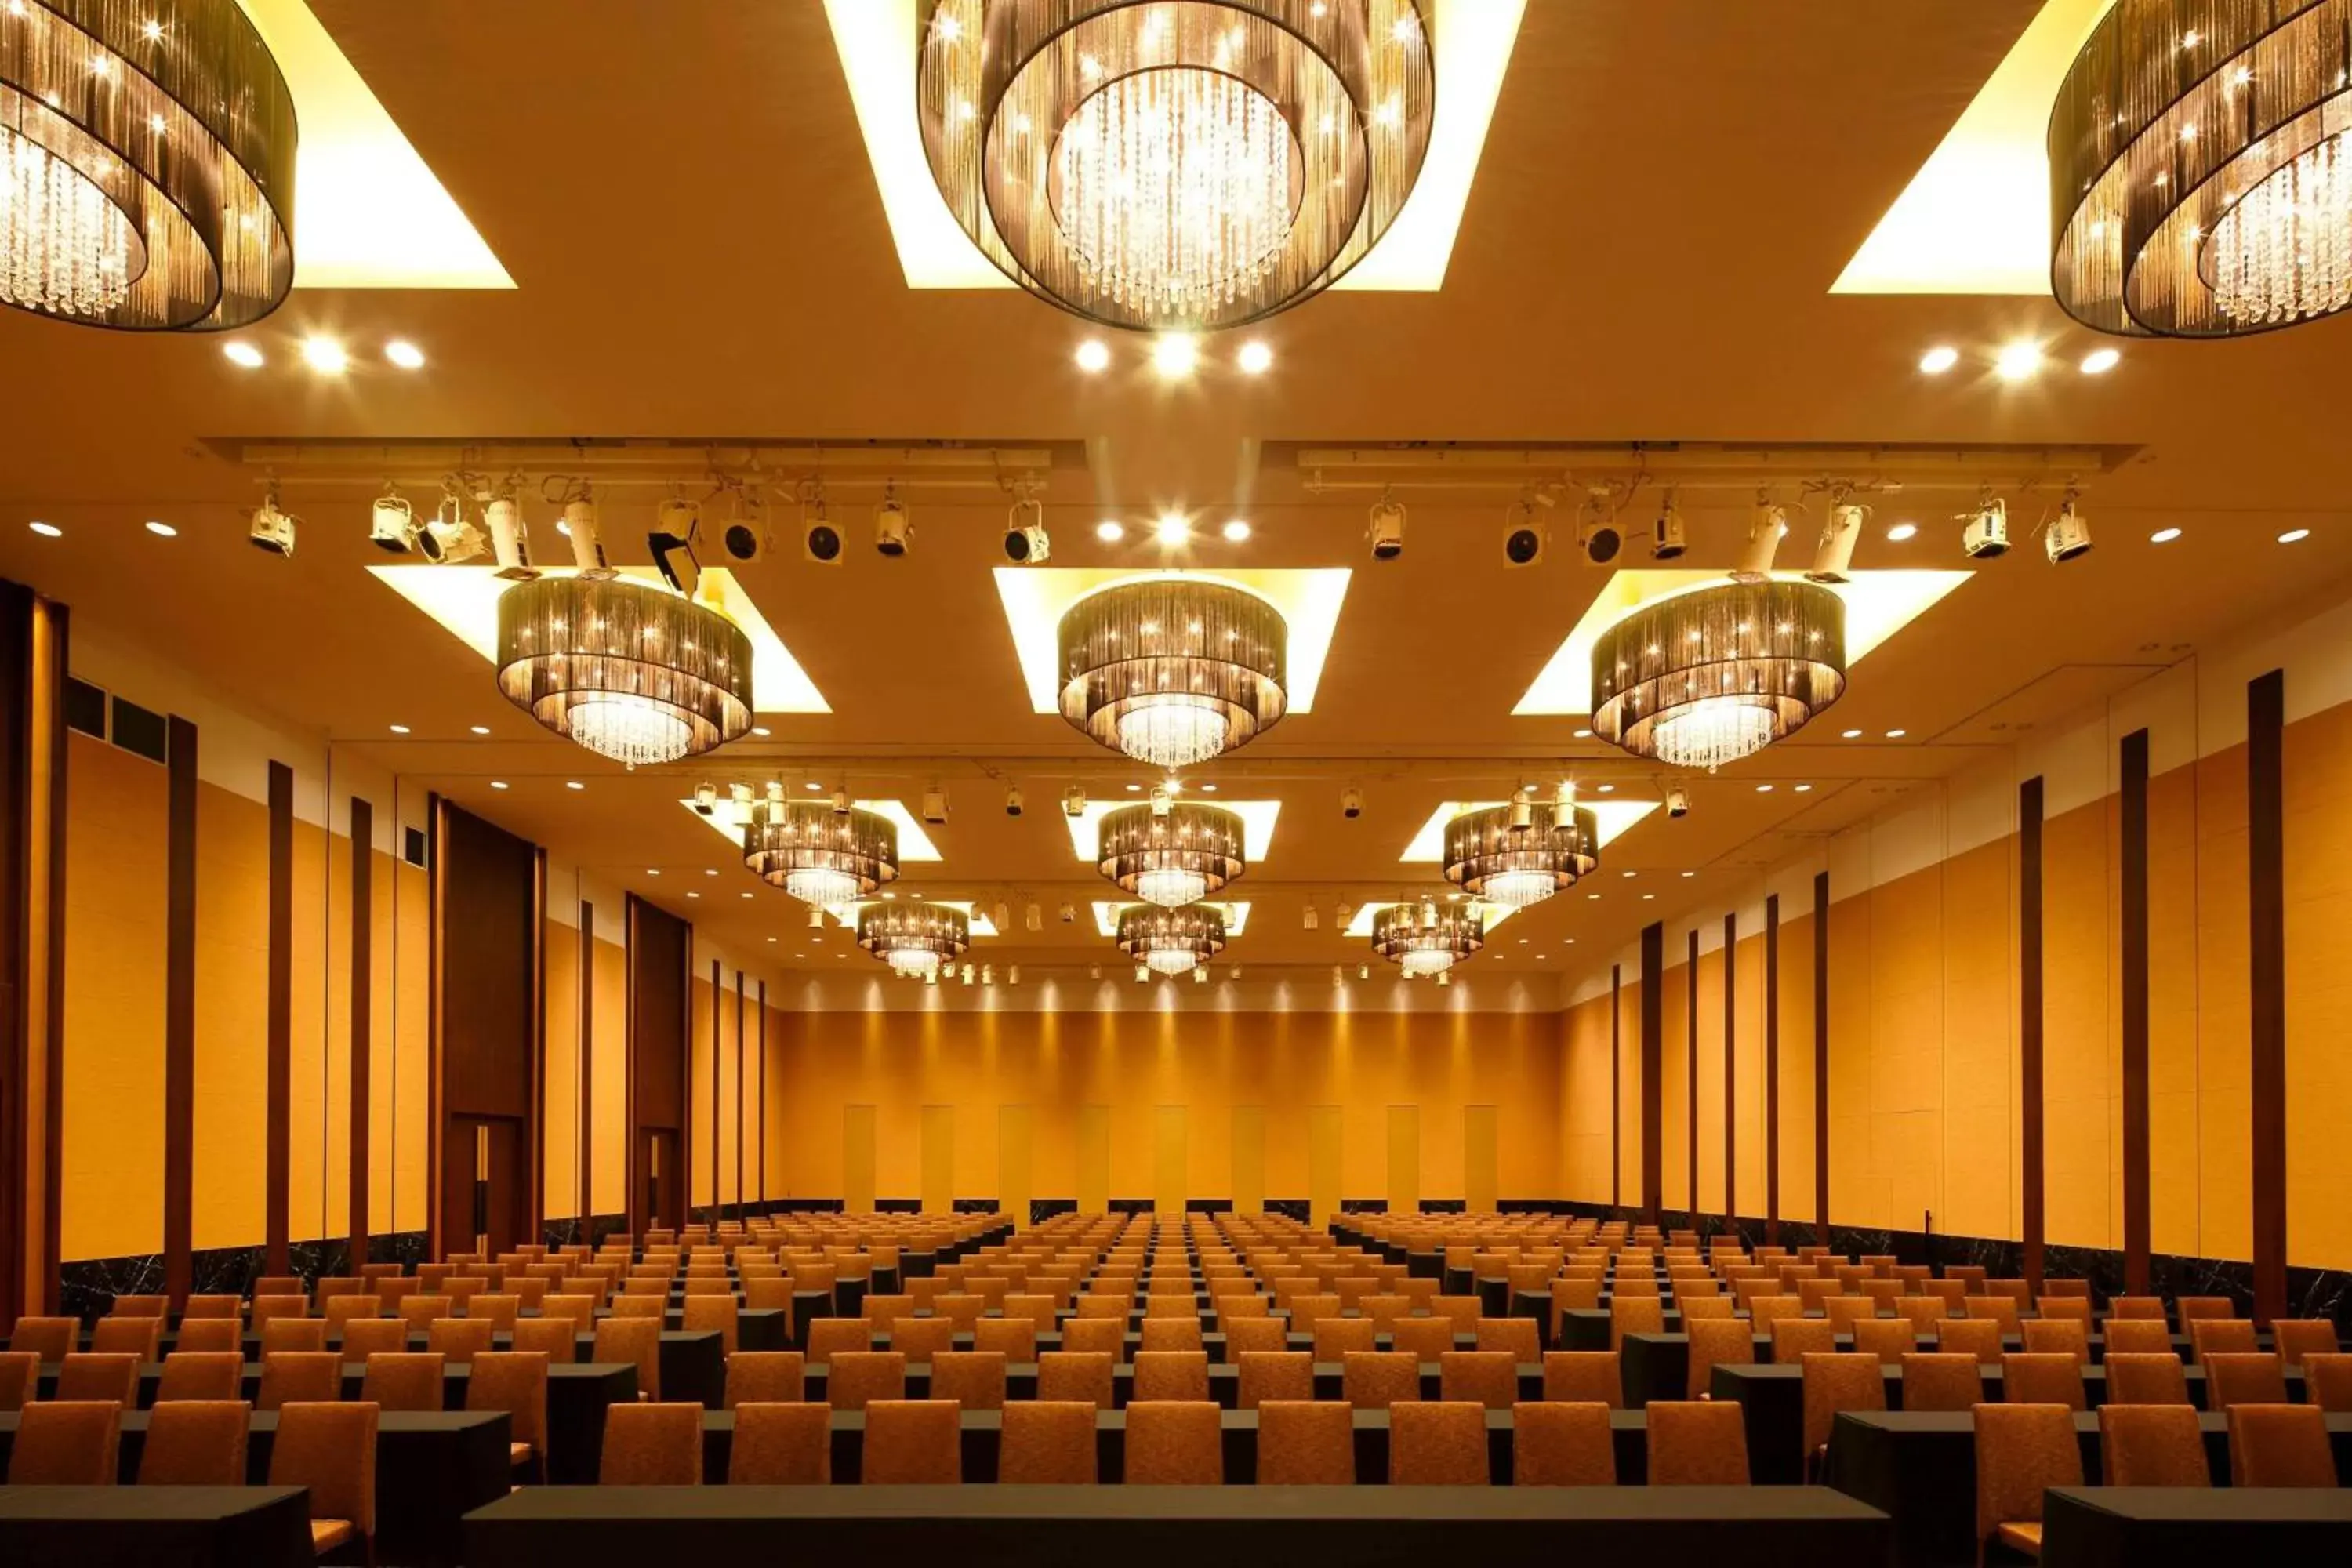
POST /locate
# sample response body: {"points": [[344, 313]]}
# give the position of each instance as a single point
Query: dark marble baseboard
{"points": [[88, 1286]]}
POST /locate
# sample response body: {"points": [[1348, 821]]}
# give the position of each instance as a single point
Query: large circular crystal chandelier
{"points": [[1153, 163], [1521, 853], [1171, 942], [1424, 938], [1173, 670], [1706, 678], [631, 671], [146, 164], [1170, 852], [2200, 186], [817, 854], [914, 939]]}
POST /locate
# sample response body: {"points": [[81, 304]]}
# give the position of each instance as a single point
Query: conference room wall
{"points": [[1119, 1069]]}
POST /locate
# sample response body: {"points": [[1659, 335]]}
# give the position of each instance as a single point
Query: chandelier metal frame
{"points": [[1171, 942], [1143, 849], [785, 841], [1173, 670], [164, 123], [1768, 656], [571, 644], [914, 939], [1423, 937], [1559, 840]]}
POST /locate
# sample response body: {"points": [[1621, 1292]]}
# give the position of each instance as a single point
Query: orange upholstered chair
{"points": [[1562, 1444], [1165, 1375], [516, 1382], [403, 1381], [1793, 1338], [557, 1339], [66, 1443], [1517, 1335], [1016, 1339], [2140, 1378], [1728, 1342], [2137, 1336], [419, 1310], [636, 1342], [702, 1314], [1048, 1442], [1489, 1378], [2022, 1451], [461, 1339], [857, 1378], [765, 1377], [1337, 1337], [2151, 1446], [652, 1446], [1697, 1443], [1174, 1443], [290, 1377], [1440, 1444], [1888, 1339], [1633, 1315], [136, 1335], [1274, 1374], [2275, 1445], [1834, 1383], [827, 1337], [2243, 1377], [1978, 1337], [2059, 1336], [293, 1334], [1305, 1443], [212, 1334], [2043, 1377], [1080, 1376], [207, 1375], [781, 1444], [213, 1306], [20, 1379], [916, 1339], [88, 1376], [2296, 1337], [195, 1442], [1581, 1377], [330, 1449], [365, 1337], [1107, 1336], [2221, 1336], [1376, 1380], [918, 1442], [2327, 1380], [974, 1379], [1941, 1382], [1425, 1339]]}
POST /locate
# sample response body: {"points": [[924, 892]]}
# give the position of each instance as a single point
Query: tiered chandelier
{"points": [[631, 671], [1153, 163], [2201, 184], [1706, 678], [1170, 852], [1171, 942], [914, 940], [1173, 670], [817, 854], [1524, 852], [146, 164], [1424, 938]]}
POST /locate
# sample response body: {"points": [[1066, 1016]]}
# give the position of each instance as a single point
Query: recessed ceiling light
{"points": [[1853, 734], [1938, 360], [497, 784], [692, 894], [747, 895], [1648, 896], [405, 354], [814, 788], [242, 353], [1607, 789], [2291, 536], [51, 531], [710, 870], [1175, 354], [480, 728], [1804, 789], [1592, 898], [573, 783], [653, 870], [1763, 789], [1172, 529], [1256, 359], [1236, 530], [1901, 531], [399, 728], [1629, 873], [1111, 531], [2164, 536], [760, 731], [325, 355], [1896, 734], [796, 955], [1689, 874], [2017, 362], [1523, 941], [161, 529], [1209, 789], [1584, 734], [1135, 789], [1093, 356], [2098, 362]]}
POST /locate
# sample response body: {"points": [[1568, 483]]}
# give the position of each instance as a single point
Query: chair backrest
{"points": [[1305, 1443], [701, 1314], [66, 1443], [328, 1447], [1697, 1443], [1888, 1339], [195, 1442], [337, 1311], [1489, 1379], [779, 1443], [2326, 1380], [1562, 1444], [1426, 1339], [420, 1309], [2151, 1446], [2022, 1451], [1633, 1315], [1584, 1377], [2138, 1336], [1793, 1338], [299, 1377], [557, 1339], [1181, 1376], [1076, 1375], [212, 1306], [580, 1309], [1978, 1337], [1109, 1335], [1336, 1337], [1439, 1444], [1376, 1379], [403, 1381], [2059, 1336], [1016, 1339], [1274, 1374], [2043, 1377], [1167, 1334], [212, 1334], [2198, 1309], [459, 1338], [765, 1377], [2212, 1336], [2276, 1446], [2295, 1338], [636, 1341], [913, 1442], [855, 1378], [2146, 1378], [206, 1376], [1942, 1381], [1048, 1442], [20, 1378], [90, 1375], [365, 1337], [2151, 1308], [1727, 1342], [974, 1379], [652, 1446], [1517, 1335], [516, 1382], [916, 1339], [2077, 1308], [2244, 1378], [135, 1335], [292, 1333], [1834, 1381], [1174, 1443]]}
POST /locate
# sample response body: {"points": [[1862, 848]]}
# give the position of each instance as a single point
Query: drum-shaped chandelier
{"points": [[1424, 938], [146, 164], [1171, 942], [1170, 852], [1173, 670], [914, 940], [2200, 181], [1709, 676], [1523, 852], [631, 671], [817, 854], [1161, 164]]}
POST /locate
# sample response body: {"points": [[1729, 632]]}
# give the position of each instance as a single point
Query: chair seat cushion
{"points": [[325, 1534], [519, 1453], [2022, 1535]]}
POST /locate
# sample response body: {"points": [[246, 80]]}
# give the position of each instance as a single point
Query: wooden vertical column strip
{"points": [[1616, 1087], [279, 1035], [436, 899], [1730, 1069], [743, 1091], [535, 1122], [762, 1161], [1822, 1060], [2028, 1026], [2266, 979], [718, 1001], [363, 993], [179, 1009], [586, 1143], [2133, 861], [1771, 1069], [1654, 1051], [633, 1158], [1690, 1078]]}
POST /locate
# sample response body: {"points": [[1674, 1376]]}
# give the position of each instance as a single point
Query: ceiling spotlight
{"points": [[2164, 536], [2098, 362], [1386, 528], [2068, 534], [1026, 543], [449, 538], [1235, 530], [46, 530], [1523, 536], [1767, 522], [1092, 355], [391, 521], [1074, 802], [162, 529], [841, 800], [1175, 354], [497, 784], [1255, 359], [580, 525], [672, 543], [405, 354], [2291, 536], [1351, 803], [1896, 734], [325, 355], [399, 728], [1310, 918], [273, 530], [1987, 533], [2017, 362], [1033, 917], [935, 806], [1833, 556], [1938, 360], [1111, 531], [573, 783], [1012, 801], [1666, 535], [240, 353], [1677, 804], [1853, 734], [894, 529], [1901, 531], [1172, 531]]}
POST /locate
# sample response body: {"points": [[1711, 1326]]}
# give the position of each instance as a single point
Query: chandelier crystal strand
{"points": [[630, 671], [1714, 732], [1173, 670], [1702, 678], [2285, 252], [1172, 734], [64, 247], [818, 855], [630, 729]]}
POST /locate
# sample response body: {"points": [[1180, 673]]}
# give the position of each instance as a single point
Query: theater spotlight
{"points": [[676, 524], [509, 539], [391, 521], [1833, 556], [1764, 531], [449, 538], [587, 544], [2067, 536], [273, 530], [1386, 529], [1667, 538], [1987, 533], [1026, 543], [894, 529]]}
